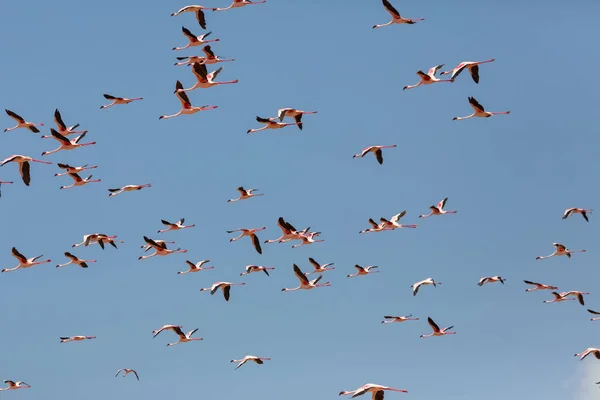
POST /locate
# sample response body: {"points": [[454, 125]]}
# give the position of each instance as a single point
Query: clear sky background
{"points": [[510, 178]]}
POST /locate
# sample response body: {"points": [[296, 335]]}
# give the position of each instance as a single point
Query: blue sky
{"points": [[509, 177]]}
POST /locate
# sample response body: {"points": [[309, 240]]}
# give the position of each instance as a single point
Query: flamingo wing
{"points": [[118, 372], [213, 75], [109, 97], [208, 51], [14, 115], [379, 156], [397, 217], [378, 395], [442, 204], [18, 255], [256, 243], [281, 113], [59, 137], [432, 71], [475, 104], [262, 120], [433, 325], [227, 292], [189, 34], [58, 120], [24, 170], [390, 8], [183, 97], [178, 331], [136, 374], [165, 222], [593, 312], [300, 275], [200, 71], [475, 73], [201, 19]]}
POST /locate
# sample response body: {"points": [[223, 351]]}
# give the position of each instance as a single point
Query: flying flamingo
{"points": [[160, 249], [571, 211], [224, 286], [164, 328], [558, 297], [186, 105], [194, 40], [208, 60], [66, 144], [24, 166], [288, 232], [258, 360], [62, 128], [118, 100], [375, 150], [319, 269], [239, 3], [270, 123], [75, 260], [99, 238], [429, 281], [305, 283], [587, 352], [256, 268], [293, 113], [252, 234], [195, 267], [127, 371], [391, 319], [204, 80], [308, 238], [396, 17], [175, 226], [24, 262], [561, 250], [73, 170], [183, 337], [393, 224], [362, 271], [127, 188], [79, 338], [479, 111], [472, 66], [21, 123], [147, 247], [490, 279], [436, 329], [428, 78], [245, 194], [79, 181], [438, 210], [197, 10], [577, 294], [539, 286], [12, 385], [375, 227], [371, 387], [595, 313]]}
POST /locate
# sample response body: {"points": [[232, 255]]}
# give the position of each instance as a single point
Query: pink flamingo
{"points": [[75, 260], [24, 165], [270, 123], [393, 222], [438, 210], [396, 17], [24, 262], [319, 269], [73, 170], [305, 283], [197, 10], [194, 267], [252, 234], [66, 144], [363, 271], [583, 212], [21, 123], [224, 286], [479, 111], [375, 150], [391, 319], [472, 66], [175, 226], [118, 100], [428, 78], [209, 59], [79, 181], [373, 388], [160, 249], [205, 80], [257, 268], [245, 194], [239, 3], [561, 250], [436, 329], [539, 286], [127, 188], [375, 227], [293, 113], [186, 105], [558, 297], [490, 279], [194, 40], [258, 360], [62, 128]]}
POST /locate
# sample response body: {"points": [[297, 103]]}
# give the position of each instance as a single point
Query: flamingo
{"points": [[224, 286], [258, 360], [62, 128], [252, 234], [24, 165], [587, 352], [239, 3], [438, 210], [73, 170], [256, 268], [293, 113], [595, 313], [127, 371], [194, 40], [392, 224], [79, 181], [159, 249], [362, 271], [490, 279], [561, 250], [21, 123], [319, 269], [66, 339], [204, 80], [373, 388], [147, 247], [396, 17], [479, 111], [428, 78], [245, 194], [209, 58], [375, 227], [577, 294], [436, 329], [472, 66], [127, 188], [195, 267], [175, 226], [5, 183], [558, 297], [24, 262], [583, 212], [75, 260], [183, 337], [375, 150], [164, 328], [288, 232], [539, 286], [429, 281], [66, 144], [197, 10], [305, 283], [308, 238], [118, 100], [186, 105], [12, 385], [99, 238], [391, 319], [270, 123]]}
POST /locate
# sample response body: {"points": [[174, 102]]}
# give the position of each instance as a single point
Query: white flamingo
{"points": [[270, 123], [127, 188], [392, 223], [583, 212], [428, 78], [590, 350], [197, 10], [561, 250], [252, 234], [21, 123], [305, 283], [396, 17], [438, 210], [490, 279], [186, 105], [256, 268], [258, 360], [78, 338], [436, 329], [293, 113], [12, 385], [224, 286], [360, 271], [429, 281], [24, 262], [472, 66], [195, 267], [479, 111]]}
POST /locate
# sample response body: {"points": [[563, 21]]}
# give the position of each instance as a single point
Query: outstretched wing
{"points": [[390, 8], [433, 325], [475, 104], [263, 120], [208, 51], [434, 70], [201, 19], [300, 275], [109, 97], [189, 34]]}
